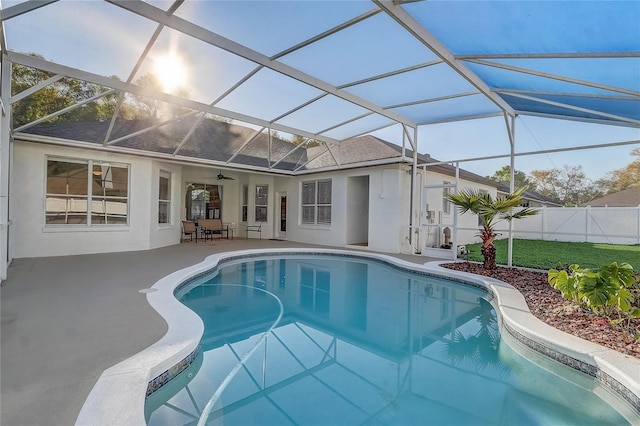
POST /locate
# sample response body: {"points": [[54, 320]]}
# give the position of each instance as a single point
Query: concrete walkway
{"points": [[67, 319]]}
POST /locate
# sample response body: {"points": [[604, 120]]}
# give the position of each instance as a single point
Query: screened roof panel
{"points": [[586, 107], [465, 106], [111, 38], [207, 71], [425, 83], [360, 126], [622, 73], [323, 114], [330, 71], [268, 94], [531, 26], [270, 27], [536, 107], [503, 79], [372, 47]]}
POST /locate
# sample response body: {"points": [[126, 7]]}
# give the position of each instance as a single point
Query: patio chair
{"points": [[210, 228], [189, 228], [255, 228]]}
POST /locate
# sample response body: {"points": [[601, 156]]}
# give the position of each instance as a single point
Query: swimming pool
{"points": [[343, 339]]}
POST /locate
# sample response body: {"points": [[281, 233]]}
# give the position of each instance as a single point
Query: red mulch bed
{"points": [[547, 304]]}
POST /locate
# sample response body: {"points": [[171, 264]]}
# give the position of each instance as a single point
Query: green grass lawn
{"points": [[552, 254]]}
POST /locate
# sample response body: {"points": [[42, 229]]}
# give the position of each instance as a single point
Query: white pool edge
{"points": [[118, 397]]}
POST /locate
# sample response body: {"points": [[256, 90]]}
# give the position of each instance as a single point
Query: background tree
{"points": [[147, 107], [624, 178], [68, 91], [568, 186], [56, 96], [297, 140], [519, 177]]}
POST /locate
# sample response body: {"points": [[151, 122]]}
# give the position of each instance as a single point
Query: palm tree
{"points": [[490, 211]]}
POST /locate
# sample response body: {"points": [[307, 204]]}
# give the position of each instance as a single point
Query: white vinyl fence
{"points": [[612, 225]]}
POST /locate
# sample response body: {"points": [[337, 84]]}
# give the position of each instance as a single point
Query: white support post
{"points": [[412, 205], [512, 142], [5, 162], [454, 242]]}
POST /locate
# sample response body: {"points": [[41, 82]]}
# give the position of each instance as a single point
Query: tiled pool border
{"points": [[162, 379], [179, 280]]}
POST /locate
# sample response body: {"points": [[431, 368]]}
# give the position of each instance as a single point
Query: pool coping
{"points": [[118, 397]]}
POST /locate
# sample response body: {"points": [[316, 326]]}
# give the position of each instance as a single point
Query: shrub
{"points": [[606, 291]]}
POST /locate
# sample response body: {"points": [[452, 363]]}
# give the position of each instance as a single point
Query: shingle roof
{"points": [[626, 198], [211, 140], [367, 148], [218, 141]]}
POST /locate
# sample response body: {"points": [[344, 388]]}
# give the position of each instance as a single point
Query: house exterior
{"points": [[77, 197], [626, 198]]}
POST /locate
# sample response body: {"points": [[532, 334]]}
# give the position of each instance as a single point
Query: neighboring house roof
{"points": [[504, 188], [626, 198], [219, 141]]}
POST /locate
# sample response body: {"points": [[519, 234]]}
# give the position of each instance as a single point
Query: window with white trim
{"points": [[164, 198], [86, 192], [316, 202], [261, 202]]}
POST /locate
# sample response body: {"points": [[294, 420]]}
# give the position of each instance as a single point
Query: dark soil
{"points": [[547, 304]]}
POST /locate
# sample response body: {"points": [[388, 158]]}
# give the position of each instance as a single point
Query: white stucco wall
{"points": [[374, 200], [30, 237], [385, 209], [164, 234]]}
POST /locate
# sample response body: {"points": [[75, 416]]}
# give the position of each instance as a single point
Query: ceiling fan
{"points": [[221, 176]]}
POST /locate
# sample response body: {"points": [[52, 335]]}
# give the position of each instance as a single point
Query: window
{"points": [[245, 202], [86, 192], [446, 204], [262, 197], [204, 201], [316, 202], [164, 198]]}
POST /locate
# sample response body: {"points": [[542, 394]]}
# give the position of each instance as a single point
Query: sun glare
{"points": [[171, 73]]}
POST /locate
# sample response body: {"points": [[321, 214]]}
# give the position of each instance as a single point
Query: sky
{"points": [[488, 137], [108, 41]]}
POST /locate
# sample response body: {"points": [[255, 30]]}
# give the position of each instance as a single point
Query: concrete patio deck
{"points": [[67, 319]]}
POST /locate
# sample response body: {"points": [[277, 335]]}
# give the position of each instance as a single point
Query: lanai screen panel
{"points": [[547, 58], [93, 36], [334, 70]]}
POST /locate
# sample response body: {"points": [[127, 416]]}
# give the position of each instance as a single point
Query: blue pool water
{"points": [[362, 342]]}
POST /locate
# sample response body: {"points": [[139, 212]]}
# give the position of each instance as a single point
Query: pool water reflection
{"points": [[363, 342]]}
